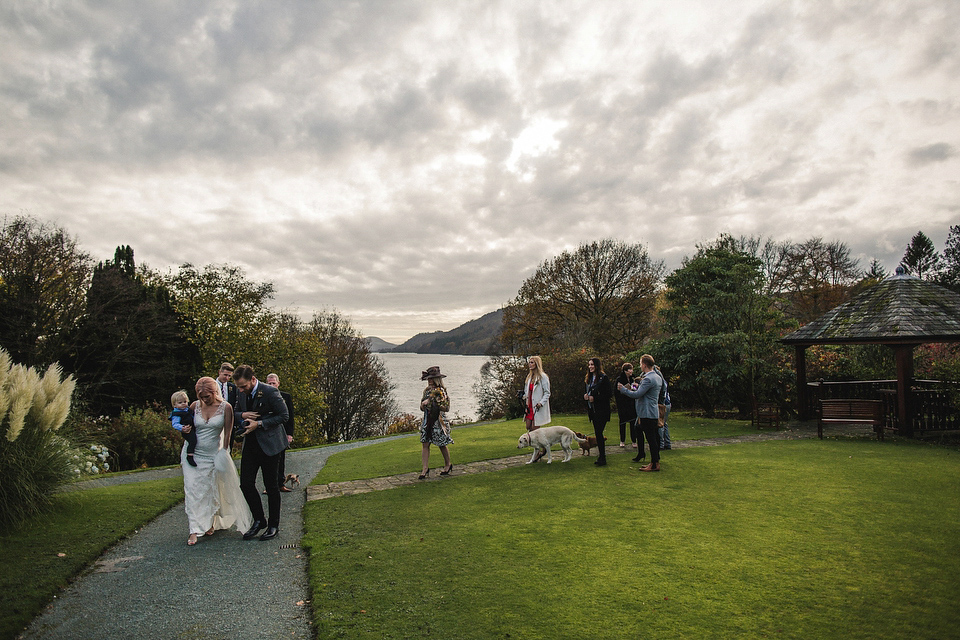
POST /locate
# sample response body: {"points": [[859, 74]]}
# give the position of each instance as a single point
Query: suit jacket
{"points": [[288, 400], [231, 393], [646, 395], [273, 413]]}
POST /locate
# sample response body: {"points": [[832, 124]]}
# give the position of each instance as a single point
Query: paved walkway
{"points": [[790, 431], [152, 585]]}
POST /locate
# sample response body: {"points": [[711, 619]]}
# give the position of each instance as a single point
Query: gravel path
{"points": [[152, 585]]}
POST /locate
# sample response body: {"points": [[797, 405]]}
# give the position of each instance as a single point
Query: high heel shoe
{"points": [[447, 471], [423, 475]]}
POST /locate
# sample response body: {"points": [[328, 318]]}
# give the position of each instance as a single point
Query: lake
{"points": [[461, 371]]}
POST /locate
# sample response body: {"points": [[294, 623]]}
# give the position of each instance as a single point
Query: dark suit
{"points": [[261, 450], [288, 428], [231, 398]]}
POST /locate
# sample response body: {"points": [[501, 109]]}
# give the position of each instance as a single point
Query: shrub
{"points": [[136, 439], [34, 458], [142, 438], [403, 423], [503, 376]]}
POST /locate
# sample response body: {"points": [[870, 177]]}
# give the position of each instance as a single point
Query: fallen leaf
{"points": [[61, 555], [300, 603]]}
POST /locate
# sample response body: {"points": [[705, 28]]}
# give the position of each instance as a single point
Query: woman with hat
{"points": [[433, 430]]}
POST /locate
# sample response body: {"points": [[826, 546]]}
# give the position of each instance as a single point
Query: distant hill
{"points": [[473, 338], [376, 345]]}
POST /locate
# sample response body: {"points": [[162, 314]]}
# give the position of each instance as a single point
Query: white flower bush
{"points": [[91, 460]]}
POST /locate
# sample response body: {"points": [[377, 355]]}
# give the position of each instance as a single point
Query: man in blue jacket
{"points": [[646, 395]]}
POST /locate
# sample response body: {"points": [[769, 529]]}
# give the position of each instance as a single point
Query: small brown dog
{"points": [[591, 443], [292, 479]]}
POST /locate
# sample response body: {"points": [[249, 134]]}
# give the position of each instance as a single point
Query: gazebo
{"points": [[901, 312]]}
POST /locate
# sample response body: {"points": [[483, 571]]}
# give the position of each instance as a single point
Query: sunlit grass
{"points": [[789, 539]]}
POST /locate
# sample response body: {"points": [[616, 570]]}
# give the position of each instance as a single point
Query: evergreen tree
{"points": [[132, 349], [921, 258], [950, 273], [722, 346]]}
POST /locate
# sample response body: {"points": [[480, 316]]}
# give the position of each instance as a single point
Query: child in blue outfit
{"points": [[182, 416]]}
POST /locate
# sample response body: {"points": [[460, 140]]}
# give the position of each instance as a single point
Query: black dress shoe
{"points": [[638, 458], [253, 531], [601, 463], [270, 533]]}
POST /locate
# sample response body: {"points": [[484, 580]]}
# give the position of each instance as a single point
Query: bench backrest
{"points": [[851, 409]]}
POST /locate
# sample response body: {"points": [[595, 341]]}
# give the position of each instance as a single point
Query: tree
{"points": [[600, 296], [43, 282], [296, 354], [496, 389], [353, 382], [921, 257], [131, 347], [225, 314], [722, 344], [950, 272], [814, 277]]}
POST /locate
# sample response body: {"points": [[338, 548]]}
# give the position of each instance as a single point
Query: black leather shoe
{"points": [[270, 533], [254, 530], [638, 458], [601, 463]]}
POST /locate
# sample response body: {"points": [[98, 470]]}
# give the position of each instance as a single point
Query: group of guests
{"points": [[235, 406], [638, 403]]}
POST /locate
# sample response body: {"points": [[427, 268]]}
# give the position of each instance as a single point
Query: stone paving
{"points": [[789, 431]]}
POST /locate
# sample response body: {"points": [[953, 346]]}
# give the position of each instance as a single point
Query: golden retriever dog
{"points": [[591, 442], [543, 438]]}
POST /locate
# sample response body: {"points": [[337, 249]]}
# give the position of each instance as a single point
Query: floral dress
{"points": [[439, 402]]}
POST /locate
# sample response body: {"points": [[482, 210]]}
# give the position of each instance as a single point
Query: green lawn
{"points": [[494, 440], [81, 526], [786, 539]]}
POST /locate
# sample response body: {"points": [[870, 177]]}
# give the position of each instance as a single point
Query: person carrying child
{"points": [[181, 416]]}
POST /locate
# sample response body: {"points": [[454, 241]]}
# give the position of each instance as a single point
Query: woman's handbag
{"points": [[662, 418]]}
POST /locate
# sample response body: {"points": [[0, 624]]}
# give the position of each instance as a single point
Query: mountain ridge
{"points": [[477, 337]]}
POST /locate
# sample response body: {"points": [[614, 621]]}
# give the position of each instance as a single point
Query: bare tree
{"points": [[600, 296], [353, 382]]}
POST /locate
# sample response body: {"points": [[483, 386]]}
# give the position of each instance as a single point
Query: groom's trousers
{"points": [[253, 459]]}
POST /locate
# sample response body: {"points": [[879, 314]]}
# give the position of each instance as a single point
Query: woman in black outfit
{"points": [[598, 403], [627, 410]]}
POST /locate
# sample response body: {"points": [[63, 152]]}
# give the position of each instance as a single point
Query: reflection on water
{"points": [[461, 371]]}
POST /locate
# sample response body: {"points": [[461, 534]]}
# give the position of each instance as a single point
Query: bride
{"points": [[212, 496]]}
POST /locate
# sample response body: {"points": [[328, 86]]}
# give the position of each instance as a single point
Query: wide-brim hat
{"points": [[432, 372]]}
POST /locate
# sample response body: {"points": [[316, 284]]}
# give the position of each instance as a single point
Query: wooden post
{"points": [[802, 392], [904, 357]]}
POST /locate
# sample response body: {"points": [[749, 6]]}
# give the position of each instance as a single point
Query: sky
{"points": [[410, 163]]}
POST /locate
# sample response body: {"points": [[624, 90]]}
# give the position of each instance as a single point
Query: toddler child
{"points": [[182, 416]]}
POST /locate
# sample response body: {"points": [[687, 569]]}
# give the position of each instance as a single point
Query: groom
{"points": [[260, 413]]}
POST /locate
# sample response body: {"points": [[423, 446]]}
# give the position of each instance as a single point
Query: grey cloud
{"points": [[936, 152]]}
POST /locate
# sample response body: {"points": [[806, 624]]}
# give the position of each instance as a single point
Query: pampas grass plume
{"points": [[23, 382]]}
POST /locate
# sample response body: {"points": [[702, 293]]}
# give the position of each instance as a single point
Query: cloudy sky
{"points": [[410, 163]]}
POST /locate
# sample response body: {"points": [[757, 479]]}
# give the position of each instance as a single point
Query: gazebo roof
{"points": [[899, 310]]}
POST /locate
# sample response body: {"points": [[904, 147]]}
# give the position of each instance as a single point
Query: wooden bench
{"points": [[766, 415], [851, 412]]}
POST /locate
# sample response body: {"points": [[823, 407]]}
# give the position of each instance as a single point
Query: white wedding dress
{"points": [[212, 496]]}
